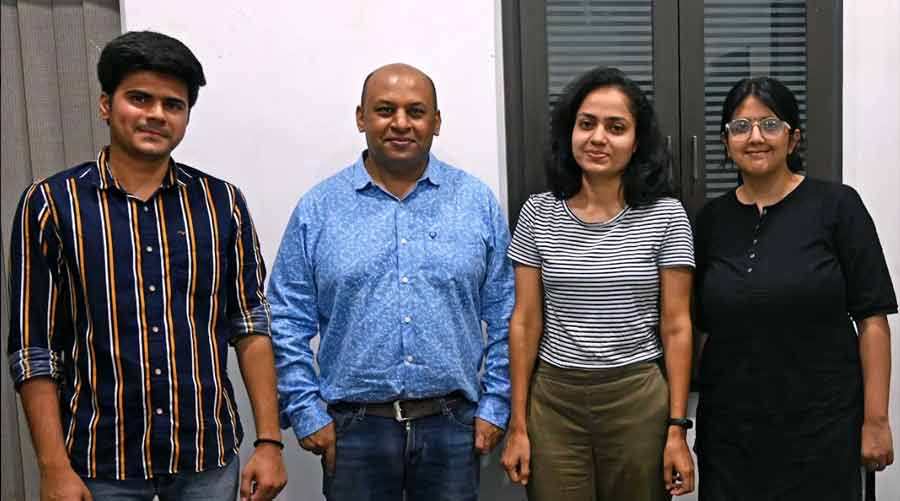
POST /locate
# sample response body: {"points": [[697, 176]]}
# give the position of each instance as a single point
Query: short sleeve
{"points": [[522, 248], [677, 246], [868, 282]]}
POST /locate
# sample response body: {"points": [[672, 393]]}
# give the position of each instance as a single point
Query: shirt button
{"points": [[405, 280], [750, 270], [763, 212], [159, 411], [407, 319], [149, 248], [752, 255], [409, 358], [755, 241], [157, 371], [403, 241], [146, 209], [155, 329], [152, 288], [757, 228]]}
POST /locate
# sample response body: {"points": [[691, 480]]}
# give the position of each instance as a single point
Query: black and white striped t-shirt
{"points": [[601, 280]]}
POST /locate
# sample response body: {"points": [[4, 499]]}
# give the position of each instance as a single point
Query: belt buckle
{"points": [[398, 412]]}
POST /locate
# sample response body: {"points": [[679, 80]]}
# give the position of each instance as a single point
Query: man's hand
{"points": [[264, 476], [877, 446], [322, 442], [678, 465], [486, 436], [61, 483], [516, 458]]}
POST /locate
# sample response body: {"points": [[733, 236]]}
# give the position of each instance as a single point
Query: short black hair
{"points": [[777, 97], [151, 51], [646, 177], [362, 97]]}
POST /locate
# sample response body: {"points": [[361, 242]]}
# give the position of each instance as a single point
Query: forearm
{"points": [[257, 365], [524, 341], [875, 354], [678, 346], [40, 400]]}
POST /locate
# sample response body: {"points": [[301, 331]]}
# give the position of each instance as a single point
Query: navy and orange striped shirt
{"points": [[131, 306]]}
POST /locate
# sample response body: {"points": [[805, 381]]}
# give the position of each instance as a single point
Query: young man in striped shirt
{"points": [[130, 277]]}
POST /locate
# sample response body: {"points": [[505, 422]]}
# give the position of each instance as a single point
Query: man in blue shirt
{"points": [[395, 262]]}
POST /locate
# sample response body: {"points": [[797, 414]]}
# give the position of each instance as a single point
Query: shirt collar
{"points": [[360, 178], [102, 176]]}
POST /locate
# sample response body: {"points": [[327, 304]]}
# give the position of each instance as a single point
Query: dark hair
{"points": [[777, 97], [645, 178], [148, 50]]}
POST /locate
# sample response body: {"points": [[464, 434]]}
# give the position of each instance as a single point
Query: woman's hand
{"points": [[877, 446], [678, 465], [516, 458]]}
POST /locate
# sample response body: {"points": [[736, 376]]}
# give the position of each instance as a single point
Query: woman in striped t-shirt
{"points": [[603, 282]]}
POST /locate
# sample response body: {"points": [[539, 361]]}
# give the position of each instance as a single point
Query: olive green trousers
{"points": [[597, 435]]}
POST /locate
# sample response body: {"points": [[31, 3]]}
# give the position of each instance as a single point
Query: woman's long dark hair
{"points": [[645, 178]]}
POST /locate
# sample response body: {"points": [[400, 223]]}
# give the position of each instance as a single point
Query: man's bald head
{"points": [[398, 68]]}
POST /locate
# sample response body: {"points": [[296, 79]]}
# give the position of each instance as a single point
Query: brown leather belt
{"points": [[405, 410]]}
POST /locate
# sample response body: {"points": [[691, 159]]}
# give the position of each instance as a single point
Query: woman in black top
{"points": [[792, 401]]}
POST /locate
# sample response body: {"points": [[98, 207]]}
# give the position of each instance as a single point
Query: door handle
{"points": [[695, 160], [671, 168]]}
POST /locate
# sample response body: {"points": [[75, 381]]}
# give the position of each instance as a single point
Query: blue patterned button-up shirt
{"points": [[397, 290]]}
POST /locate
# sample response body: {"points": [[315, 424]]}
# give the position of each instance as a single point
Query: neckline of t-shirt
{"points": [[601, 224], [776, 204]]}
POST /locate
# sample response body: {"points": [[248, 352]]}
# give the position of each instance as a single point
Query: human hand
{"points": [[877, 445], [516, 458], [486, 436], [264, 476], [321, 443], [678, 465], [61, 483]]}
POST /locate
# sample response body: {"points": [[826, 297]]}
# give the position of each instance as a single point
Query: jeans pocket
{"points": [[461, 414], [344, 421]]}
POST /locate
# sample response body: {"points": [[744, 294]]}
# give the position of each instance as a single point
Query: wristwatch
{"points": [[685, 423]]}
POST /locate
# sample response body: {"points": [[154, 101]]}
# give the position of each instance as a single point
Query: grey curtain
{"points": [[49, 122]]}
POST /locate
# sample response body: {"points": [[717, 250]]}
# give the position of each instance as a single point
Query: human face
{"points": [[147, 115], [603, 137], [760, 154], [399, 118]]}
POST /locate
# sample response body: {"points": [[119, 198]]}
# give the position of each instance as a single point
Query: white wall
{"points": [[284, 78], [277, 115], [871, 158]]}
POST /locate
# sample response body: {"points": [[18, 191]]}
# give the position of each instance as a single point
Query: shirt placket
{"points": [[403, 233], [152, 271]]}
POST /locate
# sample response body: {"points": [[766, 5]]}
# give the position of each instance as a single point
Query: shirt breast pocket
{"points": [[454, 258], [196, 268]]}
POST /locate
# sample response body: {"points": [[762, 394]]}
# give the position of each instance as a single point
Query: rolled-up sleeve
{"points": [[36, 334], [248, 310]]}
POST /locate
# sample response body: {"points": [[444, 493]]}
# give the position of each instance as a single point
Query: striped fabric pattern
{"points": [[131, 307], [601, 280]]}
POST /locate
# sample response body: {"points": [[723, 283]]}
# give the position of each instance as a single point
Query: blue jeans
{"points": [[218, 484], [429, 459]]}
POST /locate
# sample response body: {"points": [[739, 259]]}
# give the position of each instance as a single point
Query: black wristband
{"points": [[268, 441], [685, 423]]}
